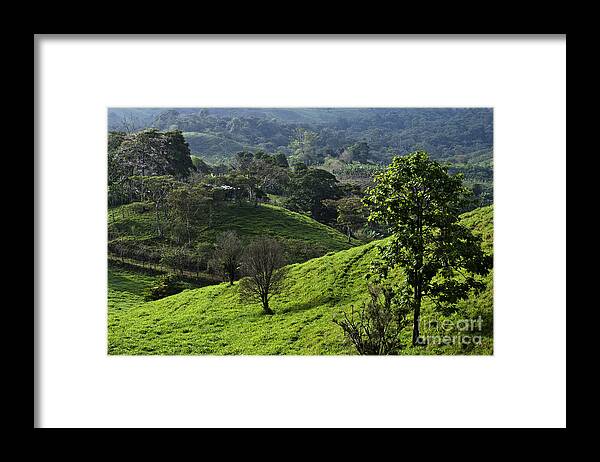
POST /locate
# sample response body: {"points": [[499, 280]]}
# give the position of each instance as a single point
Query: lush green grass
{"points": [[126, 289], [303, 237], [212, 320], [265, 219]]}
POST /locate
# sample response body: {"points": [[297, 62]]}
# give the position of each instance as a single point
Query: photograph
{"points": [[296, 231], [300, 231]]}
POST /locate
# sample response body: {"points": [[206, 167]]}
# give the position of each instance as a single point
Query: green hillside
{"points": [[218, 133], [303, 237], [211, 320]]}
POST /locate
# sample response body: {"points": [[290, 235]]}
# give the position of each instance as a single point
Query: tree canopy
{"points": [[420, 203]]}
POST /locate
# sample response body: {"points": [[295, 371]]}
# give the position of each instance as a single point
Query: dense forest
{"points": [[351, 141], [444, 133], [244, 206]]}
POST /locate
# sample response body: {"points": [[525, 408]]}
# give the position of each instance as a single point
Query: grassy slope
{"points": [[126, 289], [305, 237], [211, 320]]}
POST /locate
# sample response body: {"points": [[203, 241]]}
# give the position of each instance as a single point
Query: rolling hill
{"points": [[211, 320], [133, 226]]}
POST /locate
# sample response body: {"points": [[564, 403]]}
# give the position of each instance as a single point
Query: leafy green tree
{"points": [[281, 160], [270, 176], [257, 172], [358, 152], [149, 153], [307, 190], [303, 146], [440, 259], [242, 162], [299, 167], [119, 189], [177, 154], [351, 214]]}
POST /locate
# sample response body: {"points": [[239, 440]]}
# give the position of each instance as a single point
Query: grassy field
{"points": [[126, 289], [211, 320]]}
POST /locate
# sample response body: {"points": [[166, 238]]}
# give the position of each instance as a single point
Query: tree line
{"points": [[320, 134], [157, 167]]}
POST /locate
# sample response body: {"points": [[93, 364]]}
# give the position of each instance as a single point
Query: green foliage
{"points": [[132, 157], [217, 133], [281, 160], [376, 328], [212, 320], [351, 213], [303, 146], [440, 258], [164, 286], [214, 146], [132, 231], [357, 152], [477, 169], [188, 205], [151, 152], [307, 190], [200, 165]]}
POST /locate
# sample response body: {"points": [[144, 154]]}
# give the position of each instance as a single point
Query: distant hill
{"points": [[211, 320], [216, 133]]}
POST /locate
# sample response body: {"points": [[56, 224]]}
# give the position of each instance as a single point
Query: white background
{"points": [[523, 384]]}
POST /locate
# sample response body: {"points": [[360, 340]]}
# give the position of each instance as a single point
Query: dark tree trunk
{"points": [[418, 293], [265, 303], [417, 317]]}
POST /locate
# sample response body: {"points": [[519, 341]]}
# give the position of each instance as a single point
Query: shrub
{"points": [[375, 329]]}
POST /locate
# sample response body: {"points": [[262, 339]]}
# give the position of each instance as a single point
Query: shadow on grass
{"points": [[312, 303], [128, 284]]}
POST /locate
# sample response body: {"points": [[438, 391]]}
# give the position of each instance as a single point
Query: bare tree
{"points": [[156, 188], [226, 257], [262, 267]]}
